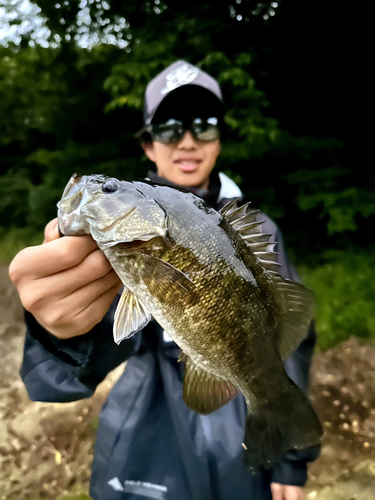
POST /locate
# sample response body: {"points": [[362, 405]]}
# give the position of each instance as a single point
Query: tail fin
{"points": [[288, 423]]}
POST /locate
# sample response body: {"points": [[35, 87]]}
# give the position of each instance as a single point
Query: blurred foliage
{"points": [[345, 290], [13, 239]]}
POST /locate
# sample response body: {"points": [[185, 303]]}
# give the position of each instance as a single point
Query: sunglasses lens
{"points": [[206, 129], [168, 132], [203, 129]]}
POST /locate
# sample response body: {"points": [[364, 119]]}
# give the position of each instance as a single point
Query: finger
{"points": [[99, 306], [277, 491], [81, 298], [56, 256], [71, 289], [294, 493], [94, 267], [51, 231], [286, 492], [83, 320]]}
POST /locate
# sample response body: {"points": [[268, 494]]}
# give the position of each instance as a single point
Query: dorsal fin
{"points": [[293, 300], [237, 212], [229, 208], [247, 226], [243, 219]]}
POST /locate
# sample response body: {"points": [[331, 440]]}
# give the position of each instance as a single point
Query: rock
{"points": [[365, 468], [3, 431], [26, 427]]}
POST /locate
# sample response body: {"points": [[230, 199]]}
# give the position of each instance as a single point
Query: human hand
{"points": [[286, 492], [66, 283]]}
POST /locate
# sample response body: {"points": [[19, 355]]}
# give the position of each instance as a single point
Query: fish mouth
{"points": [[119, 246], [131, 245], [154, 242]]}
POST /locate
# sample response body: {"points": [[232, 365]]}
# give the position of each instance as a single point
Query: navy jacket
{"points": [[149, 443]]}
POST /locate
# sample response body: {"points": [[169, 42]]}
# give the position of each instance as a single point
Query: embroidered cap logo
{"points": [[180, 76]]}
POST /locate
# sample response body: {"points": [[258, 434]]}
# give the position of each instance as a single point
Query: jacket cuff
{"points": [[92, 355], [74, 351], [292, 473], [292, 468]]}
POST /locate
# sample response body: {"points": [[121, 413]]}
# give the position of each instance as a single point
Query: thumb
{"points": [[51, 231]]}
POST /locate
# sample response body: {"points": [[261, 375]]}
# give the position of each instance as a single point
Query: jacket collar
{"points": [[221, 188]]}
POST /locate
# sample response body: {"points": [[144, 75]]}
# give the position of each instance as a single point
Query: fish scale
{"points": [[210, 280]]}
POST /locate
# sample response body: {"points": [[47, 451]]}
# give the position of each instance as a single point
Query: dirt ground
{"points": [[46, 449]]}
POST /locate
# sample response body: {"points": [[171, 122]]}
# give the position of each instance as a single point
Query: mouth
{"points": [[188, 164]]}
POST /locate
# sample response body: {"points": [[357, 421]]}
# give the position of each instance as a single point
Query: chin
{"points": [[193, 182]]}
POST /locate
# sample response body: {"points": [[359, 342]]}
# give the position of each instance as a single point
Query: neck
{"points": [[210, 193]]}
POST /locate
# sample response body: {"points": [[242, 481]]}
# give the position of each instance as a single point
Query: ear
{"points": [[148, 148]]}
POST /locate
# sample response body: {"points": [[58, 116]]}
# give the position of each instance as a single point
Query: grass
{"points": [[344, 287]]}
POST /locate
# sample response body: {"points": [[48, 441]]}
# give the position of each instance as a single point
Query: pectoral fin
{"points": [[203, 392], [130, 316], [167, 283]]}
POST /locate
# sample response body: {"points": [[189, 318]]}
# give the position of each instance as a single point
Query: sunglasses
{"points": [[172, 131]]}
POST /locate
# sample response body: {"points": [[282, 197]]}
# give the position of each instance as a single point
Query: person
{"points": [[149, 444]]}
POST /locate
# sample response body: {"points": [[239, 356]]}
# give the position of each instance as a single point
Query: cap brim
{"points": [[140, 132]]}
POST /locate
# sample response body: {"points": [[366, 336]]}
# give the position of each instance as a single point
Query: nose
{"points": [[187, 141]]}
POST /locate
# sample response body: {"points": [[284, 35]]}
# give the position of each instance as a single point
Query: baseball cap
{"points": [[177, 75]]}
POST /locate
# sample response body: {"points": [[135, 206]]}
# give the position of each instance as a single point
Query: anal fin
{"points": [[204, 392]]}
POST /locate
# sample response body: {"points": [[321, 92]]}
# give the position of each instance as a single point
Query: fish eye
{"points": [[110, 186]]}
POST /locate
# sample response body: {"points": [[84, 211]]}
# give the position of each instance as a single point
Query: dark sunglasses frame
{"points": [[172, 131]]}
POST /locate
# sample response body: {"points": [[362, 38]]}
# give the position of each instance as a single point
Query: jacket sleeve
{"points": [[55, 370], [292, 469]]}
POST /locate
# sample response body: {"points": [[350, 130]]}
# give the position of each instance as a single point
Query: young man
{"points": [[149, 444]]}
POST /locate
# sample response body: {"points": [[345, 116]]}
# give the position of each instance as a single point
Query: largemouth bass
{"points": [[210, 280]]}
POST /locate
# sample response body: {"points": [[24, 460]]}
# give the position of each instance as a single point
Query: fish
{"points": [[210, 279]]}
